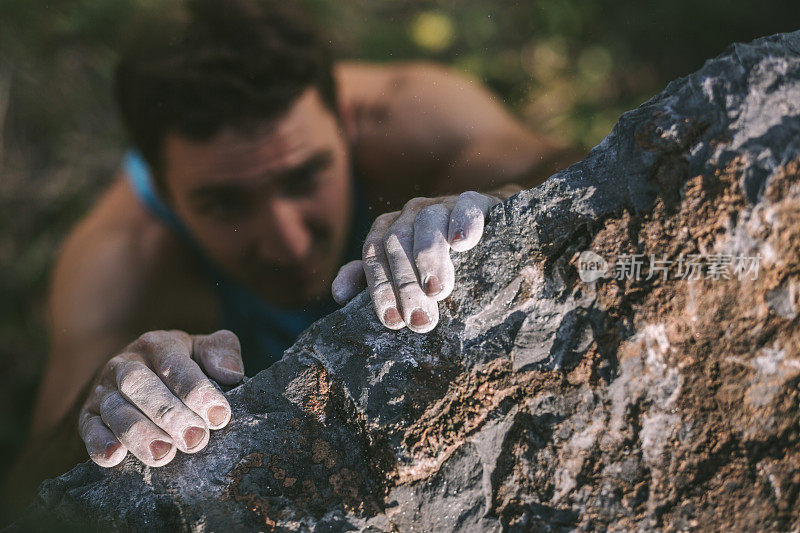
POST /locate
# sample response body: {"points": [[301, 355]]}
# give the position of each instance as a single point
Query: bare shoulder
{"points": [[360, 81], [121, 265], [416, 101], [409, 122], [424, 84]]}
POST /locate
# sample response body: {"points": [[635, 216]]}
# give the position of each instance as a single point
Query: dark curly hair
{"points": [[216, 63]]}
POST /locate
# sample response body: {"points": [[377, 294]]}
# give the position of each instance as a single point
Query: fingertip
{"points": [[465, 239], [110, 455], [103, 447], [195, 438], [161, 452], [467, 220], [447, 290], [445, 274], [392, 319], [432, 285], [340, 294], [336, 284], [456, 235], [218, 416], [226, 376], [348, 282], [458, 239], [227, 370], [421, 321], [220, 354], [460, 245]]}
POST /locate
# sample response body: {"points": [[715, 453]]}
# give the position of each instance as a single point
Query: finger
{"points": [[149, 443], [144, 389], [467, 219], [378, 276], [169, 353], [186, 379], [103, 447], [350, 280], [221, 355], [419, 312], [432, 252]]}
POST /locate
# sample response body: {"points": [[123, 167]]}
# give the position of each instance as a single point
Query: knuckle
{"points": [[223, 339], [470, 195], [432, 210], [159, 345], [384, 297], [371, 248], [149, 342], [373, 265], [384, 218], [384, 289], [113, 364], [109, 403], [178, 335], [133, 379], [393, 244], [405, 285], [396, 233], [117, 359], [163, 412], [415, 203], [170, 363], [402, 227], [138, 430], [226, 336]]}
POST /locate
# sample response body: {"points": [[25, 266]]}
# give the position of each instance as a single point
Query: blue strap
{"points": [[142, 183]]}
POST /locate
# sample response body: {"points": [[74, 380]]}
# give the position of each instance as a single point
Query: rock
{"points": [[542, 401]]}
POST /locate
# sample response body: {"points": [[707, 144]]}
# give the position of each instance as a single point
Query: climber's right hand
{"points": [[153, 398]]}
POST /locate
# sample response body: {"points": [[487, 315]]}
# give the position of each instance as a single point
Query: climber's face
{"points": [[272, 207]]}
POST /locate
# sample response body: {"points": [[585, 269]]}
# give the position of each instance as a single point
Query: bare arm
{"points": [[425, 130], [86, 325], [91, 314]]}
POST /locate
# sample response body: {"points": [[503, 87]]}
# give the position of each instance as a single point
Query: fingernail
{"points": [[217, 415], [192, 436], [110, 449], [391, 317], [432, 285], [419, 318], [160, 449], [232, 365], [459, 235]]}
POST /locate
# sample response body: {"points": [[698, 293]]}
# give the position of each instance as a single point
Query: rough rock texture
{"points": [[543, 402]]}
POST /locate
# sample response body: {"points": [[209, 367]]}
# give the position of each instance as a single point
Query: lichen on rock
{"points": [[540, 401]]}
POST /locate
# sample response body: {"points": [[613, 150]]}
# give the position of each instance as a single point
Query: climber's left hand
{"points": [[406, 257]]}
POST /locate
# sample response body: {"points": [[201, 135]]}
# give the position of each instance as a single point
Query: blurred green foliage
{"points": [[567, 67]]}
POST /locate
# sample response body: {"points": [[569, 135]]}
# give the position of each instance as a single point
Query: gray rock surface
{"points": [[540, 401]]}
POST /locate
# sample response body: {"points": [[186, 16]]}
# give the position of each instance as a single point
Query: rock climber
{"points": [[246, 207]]}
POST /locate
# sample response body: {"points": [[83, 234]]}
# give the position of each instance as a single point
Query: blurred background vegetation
{"points": [[567, 67]]}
